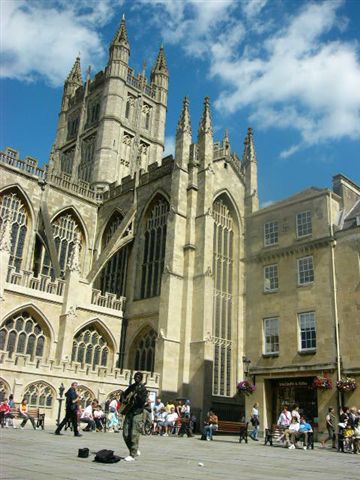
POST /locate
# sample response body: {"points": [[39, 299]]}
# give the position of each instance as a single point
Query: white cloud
{"points": [[299, 82], [42, 39], [285, 71]]}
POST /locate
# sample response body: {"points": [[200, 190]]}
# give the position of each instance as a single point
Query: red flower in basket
{"points": [[322, 383], [245, 387]]}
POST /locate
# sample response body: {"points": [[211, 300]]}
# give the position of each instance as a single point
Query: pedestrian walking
{"points": [[71, 413], [255, 422]]}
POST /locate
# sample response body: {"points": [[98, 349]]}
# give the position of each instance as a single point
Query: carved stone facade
{"points": [[115, 259]]}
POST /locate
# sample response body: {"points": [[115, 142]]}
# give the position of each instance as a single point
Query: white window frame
{"points": [[271, 275], [309, 278], [271, 330], [274, 232], [304, 223], [307, 323]]}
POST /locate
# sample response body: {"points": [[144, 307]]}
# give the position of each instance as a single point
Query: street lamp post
{"points": [[60, 400]]}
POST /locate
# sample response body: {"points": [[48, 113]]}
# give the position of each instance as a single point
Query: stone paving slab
{"points": [[39, 455]]}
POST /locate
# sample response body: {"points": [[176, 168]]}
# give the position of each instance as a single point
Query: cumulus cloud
{"points": [[42, 39], [296, 72]]}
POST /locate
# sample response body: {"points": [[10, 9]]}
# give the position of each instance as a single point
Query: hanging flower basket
{"points": [[245, 387], [346, 384], [322, 383]]}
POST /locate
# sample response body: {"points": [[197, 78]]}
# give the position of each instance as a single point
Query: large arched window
{"points": [[145, 351], [21, 333], [223, 262], [13, 209], [113, 275], [90, 348], [154, 248], [66, 231], [40, 394]]}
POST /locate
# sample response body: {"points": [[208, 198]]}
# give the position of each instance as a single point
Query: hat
{"points": [[83, 453]]}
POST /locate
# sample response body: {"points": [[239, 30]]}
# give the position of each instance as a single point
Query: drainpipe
{"points": [[335, 305]]}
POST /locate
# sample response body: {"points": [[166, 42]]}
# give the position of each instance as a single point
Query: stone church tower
{"points": [[142, 254]]}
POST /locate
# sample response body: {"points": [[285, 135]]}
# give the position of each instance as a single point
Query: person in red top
{"points": [[4, 409]]}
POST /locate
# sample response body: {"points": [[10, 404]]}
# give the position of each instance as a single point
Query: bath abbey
{"points": [[116, 259]]}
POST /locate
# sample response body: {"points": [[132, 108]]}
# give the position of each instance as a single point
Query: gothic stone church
{"points": [[115, 258]]}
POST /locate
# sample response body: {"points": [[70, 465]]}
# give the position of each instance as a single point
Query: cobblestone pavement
{"points": [[39, 455]]}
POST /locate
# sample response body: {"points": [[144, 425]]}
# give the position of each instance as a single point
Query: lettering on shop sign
{"points": [[293, 384]]}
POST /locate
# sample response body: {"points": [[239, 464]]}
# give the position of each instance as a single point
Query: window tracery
{"points": [[90, 348], [39, 394], [21, 333], [154, 248], [13, 209], [86, 396], [223, 297], [145, 352]]}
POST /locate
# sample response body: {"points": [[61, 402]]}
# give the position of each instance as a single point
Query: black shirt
{"points": [[141, 395], [71, 395]]}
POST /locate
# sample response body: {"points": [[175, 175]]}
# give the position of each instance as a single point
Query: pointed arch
{"points": [[86, 395], [40, 394], [75, 212], [105, 224], [225, 255], [158, 193], [96, 321], [67, 225], [37, 313], [230, 201], [143, 350], [24, 331], [154, 229], [93, 345], [25, 197], [16, 206]]}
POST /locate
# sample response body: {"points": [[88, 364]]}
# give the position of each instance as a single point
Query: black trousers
{"points": [[70, 416]]}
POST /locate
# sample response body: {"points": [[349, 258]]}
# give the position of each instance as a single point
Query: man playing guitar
{"points": [[133, 401]]}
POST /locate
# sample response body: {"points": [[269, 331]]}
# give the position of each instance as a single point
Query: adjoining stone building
{"points": [[115, 259], [302, 290]]}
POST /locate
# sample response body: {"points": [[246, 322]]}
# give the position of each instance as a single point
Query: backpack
{"points": [[106, 456]]}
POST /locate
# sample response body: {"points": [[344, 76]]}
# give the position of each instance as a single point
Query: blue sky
{"points": [[288, 68]]}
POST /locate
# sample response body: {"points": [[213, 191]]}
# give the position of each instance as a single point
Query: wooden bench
{"points": [[33, 412], [275, 432], [240, 428]]}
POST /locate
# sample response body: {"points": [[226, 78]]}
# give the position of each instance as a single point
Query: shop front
{"points": [[290, 392]]}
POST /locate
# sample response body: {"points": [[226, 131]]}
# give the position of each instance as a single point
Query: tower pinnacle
{"points": [[205, 126], [160, 64], [121, 36], [75, 75], [184, 124]]}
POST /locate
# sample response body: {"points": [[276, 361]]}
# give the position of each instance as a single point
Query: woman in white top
{"points": [[255, 421], [87, 417]]}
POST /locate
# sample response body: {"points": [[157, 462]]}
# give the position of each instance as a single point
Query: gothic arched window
{"points": [[87, 159], [154, 248], [86, 396], [145, 352], [65, 232], [223, 262], [21, 333], [39, 394], [113, 275], [13, 209], [129, 109], [90, 348]]}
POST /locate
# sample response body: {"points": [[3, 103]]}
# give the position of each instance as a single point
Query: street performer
{"points": [[133, 401]]}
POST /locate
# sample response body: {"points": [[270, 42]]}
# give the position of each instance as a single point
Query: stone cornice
{"points": [[292, 249], [296, 368]]}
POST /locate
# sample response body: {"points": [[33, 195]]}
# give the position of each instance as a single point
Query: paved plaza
{"points": [[39, 455]]}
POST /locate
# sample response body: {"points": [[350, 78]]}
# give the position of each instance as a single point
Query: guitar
{"points": [[127, 403]]}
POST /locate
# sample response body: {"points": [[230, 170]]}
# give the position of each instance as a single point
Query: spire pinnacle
{"points": [[205, 126], [160, 64], [75, 73], [121, 36], [184, 124]]}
